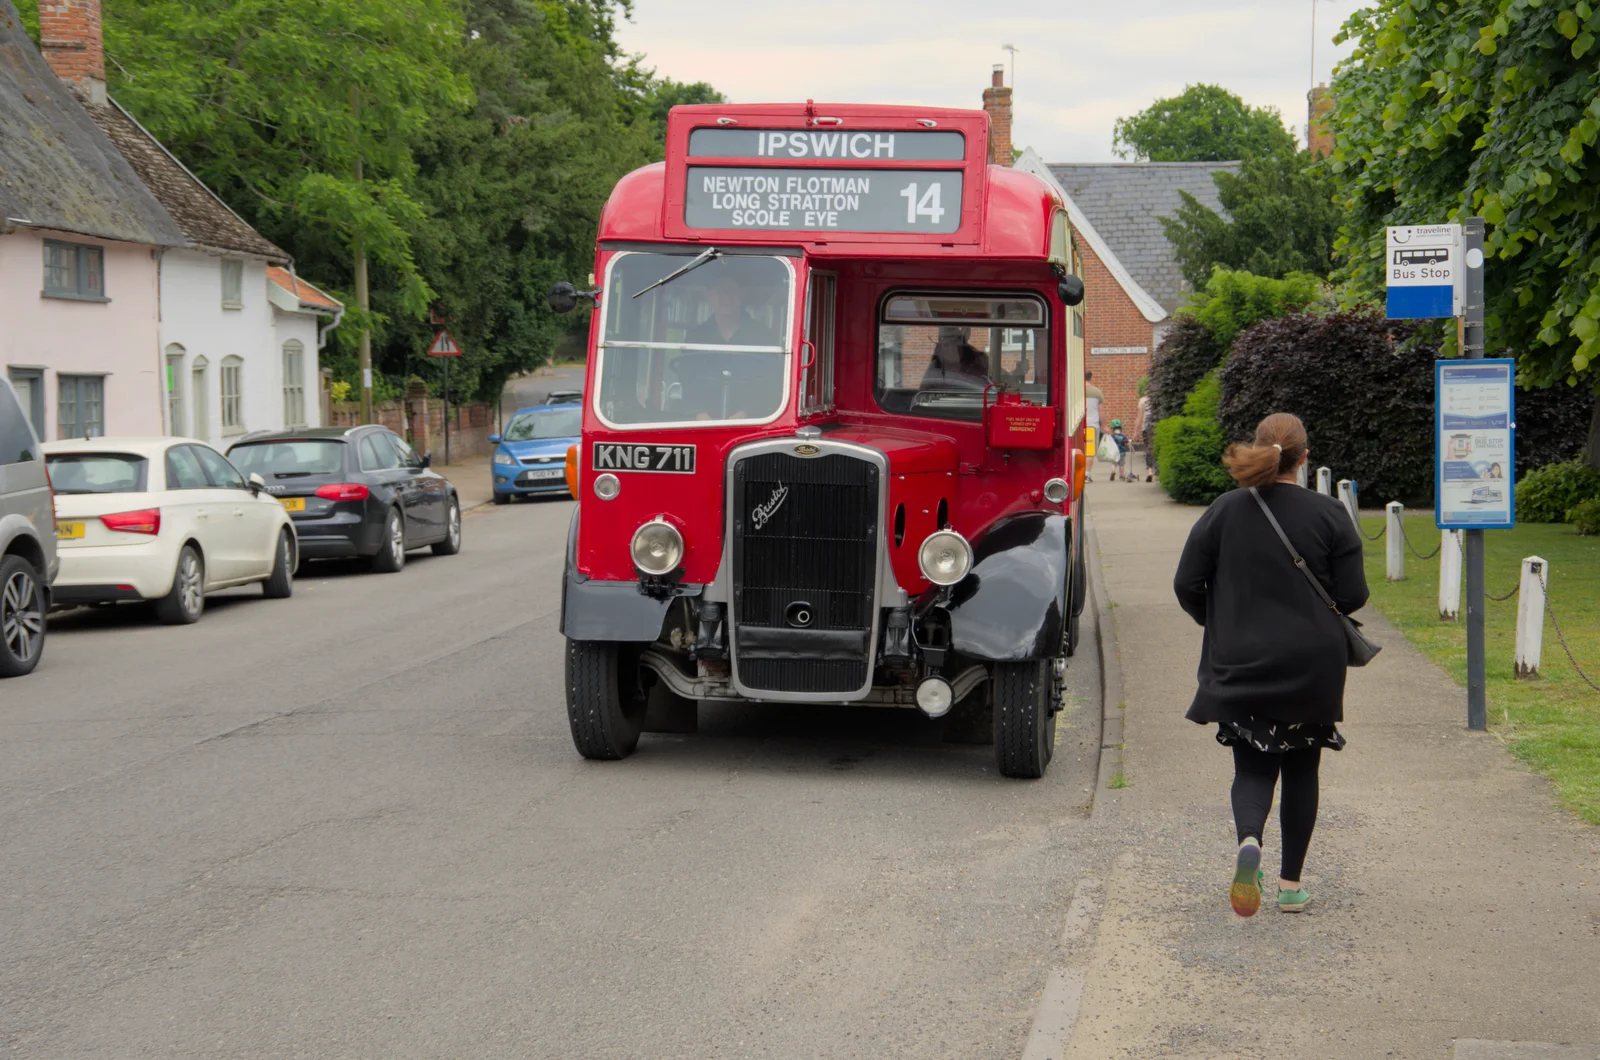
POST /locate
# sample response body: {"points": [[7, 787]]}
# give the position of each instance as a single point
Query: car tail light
{"points": [[143, 521], [343, 491], [50, 484]]}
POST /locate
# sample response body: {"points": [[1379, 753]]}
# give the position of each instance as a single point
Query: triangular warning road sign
{"points": [[444, 346]]}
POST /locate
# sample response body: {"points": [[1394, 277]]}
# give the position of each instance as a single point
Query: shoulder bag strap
{"points": [[1298, 560]]}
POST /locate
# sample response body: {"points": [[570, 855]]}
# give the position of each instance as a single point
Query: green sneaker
{"points": [[1245, 894], [1292, 901]]}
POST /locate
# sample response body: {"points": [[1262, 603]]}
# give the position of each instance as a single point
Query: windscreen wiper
{"points": [[709, 254]]}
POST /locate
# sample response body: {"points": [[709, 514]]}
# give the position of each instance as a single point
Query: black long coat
{"points": [[1272, 649]]}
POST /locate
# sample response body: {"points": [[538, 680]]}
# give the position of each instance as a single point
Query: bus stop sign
{"points": [[1423, 272]]}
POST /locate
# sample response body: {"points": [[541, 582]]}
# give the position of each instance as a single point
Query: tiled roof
{"points": [[57, 170], [203, 218], [1125, 201], [307, 294]]}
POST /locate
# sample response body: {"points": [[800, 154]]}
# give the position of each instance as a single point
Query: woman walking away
{"points": [[1272, 662]]}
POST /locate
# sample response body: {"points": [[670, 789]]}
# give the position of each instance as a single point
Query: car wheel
{"points": [[22, 622], [605, 702], [452, 534], [392, 550], [502, 498], [185, 602], [280, 584], [1024, 723]]}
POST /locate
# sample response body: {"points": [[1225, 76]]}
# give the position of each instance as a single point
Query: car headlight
{"points": [[945, 557], [657, 548], [503, 457]]}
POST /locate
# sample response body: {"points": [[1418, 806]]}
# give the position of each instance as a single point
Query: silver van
{"points": [[27, 540]]}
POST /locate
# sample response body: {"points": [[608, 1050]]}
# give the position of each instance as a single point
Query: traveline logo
{"points": [[824, 145]]}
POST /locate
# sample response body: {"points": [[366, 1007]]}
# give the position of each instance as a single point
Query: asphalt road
{"points": [[351, 824]]}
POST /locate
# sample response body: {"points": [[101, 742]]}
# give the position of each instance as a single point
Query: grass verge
{"points": [[1551, 722]]}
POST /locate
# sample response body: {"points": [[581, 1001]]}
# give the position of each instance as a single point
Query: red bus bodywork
{"points": [[1010, 238]]}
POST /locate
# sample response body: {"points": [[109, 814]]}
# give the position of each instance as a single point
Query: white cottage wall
{"points": [[299, 327], [200, 319]]}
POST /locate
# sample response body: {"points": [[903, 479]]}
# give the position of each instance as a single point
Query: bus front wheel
{"points": [[605, 702]]}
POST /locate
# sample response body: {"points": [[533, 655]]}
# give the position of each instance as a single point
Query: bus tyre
{"points": [[1024, 723], [1073, 621], [605, 704]]}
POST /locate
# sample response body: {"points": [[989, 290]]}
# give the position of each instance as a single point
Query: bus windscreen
{"points": [[811, 200]]}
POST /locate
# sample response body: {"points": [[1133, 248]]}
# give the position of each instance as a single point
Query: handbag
{"points": [[1358, 650]]}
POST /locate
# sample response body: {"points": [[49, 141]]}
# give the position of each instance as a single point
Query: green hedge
{"points": [[1189, 448], [1549, 493]]}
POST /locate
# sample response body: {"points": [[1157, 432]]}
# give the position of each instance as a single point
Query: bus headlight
{"points": [[657, 548], [945, 557], [606, 487], [1057, 490]]}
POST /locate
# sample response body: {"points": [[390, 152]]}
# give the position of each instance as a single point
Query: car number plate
{"points": [[619, 456], [69, 531], [293, 504], [533, 475]]}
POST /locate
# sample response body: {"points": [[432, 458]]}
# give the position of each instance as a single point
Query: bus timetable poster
{"points": [[1474, 444]]}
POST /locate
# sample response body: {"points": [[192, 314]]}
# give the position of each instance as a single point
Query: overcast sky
{"points": [[1081, 64]]}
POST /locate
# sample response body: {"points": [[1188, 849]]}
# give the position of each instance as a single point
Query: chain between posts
{"points": [[1562, 638], [1407, 539], [1515, 589]]}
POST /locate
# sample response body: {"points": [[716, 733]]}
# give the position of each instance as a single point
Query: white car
{"points": [[166, 520]]}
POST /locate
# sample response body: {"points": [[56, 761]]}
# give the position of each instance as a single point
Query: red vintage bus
{"points": [[832, 430]]}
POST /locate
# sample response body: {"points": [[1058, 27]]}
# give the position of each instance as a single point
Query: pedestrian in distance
{"points": [[1273, 658], [1144, 429], [1124, 446]]}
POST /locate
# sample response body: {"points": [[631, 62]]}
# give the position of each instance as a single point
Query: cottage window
{"points": [[232, 284], [174, 361], [80, 406], [294, 384], [232, 395], [74, 270]]}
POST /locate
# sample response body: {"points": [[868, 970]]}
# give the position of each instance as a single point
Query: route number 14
{"points": [[927, 206]]}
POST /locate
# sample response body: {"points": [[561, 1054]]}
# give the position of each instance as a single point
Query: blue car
{"points": [[530, 458]]}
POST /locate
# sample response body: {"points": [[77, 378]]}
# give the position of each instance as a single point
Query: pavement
{"points": [[352, 824], [1456, 907]]}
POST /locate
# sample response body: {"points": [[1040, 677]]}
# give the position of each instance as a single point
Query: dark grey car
{"points": [[27, 540]]}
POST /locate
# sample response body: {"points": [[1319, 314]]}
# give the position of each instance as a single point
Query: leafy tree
{"points": [[514, 187], [300, 113], [1207, 123], [1232, 301], [1281, 219], [1486, 107]]}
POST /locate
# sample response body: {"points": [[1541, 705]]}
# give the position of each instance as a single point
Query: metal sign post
{"points": [[1436, 271], [1472, 343], [445, 346]]}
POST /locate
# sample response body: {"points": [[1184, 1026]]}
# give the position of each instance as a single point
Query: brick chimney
{"points": [[1319, 138], [997, 102], [69, 37]]}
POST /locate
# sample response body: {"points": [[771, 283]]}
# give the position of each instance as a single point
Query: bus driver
{"points": [[738, 386]]}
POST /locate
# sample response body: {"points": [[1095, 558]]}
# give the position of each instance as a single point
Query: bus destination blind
{"points": [[811, 200]]}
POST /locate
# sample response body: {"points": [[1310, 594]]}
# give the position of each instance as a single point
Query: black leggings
{"points": [[1255, 773]]}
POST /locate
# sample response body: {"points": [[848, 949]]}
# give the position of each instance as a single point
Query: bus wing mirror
{"points": [[563, 298], [1070, 288]]}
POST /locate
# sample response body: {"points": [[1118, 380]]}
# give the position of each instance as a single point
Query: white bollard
{"points": [[1530, 615], [1395, 542], [1449, 575], [1300, 474], [1325, 481], [1347, 497]]}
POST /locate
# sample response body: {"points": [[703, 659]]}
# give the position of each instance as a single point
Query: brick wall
{"points": [[69, 34], [470, 425], [1110, 319], [997, 102]]}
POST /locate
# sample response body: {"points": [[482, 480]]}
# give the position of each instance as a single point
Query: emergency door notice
{"points": [[812, 200]]}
